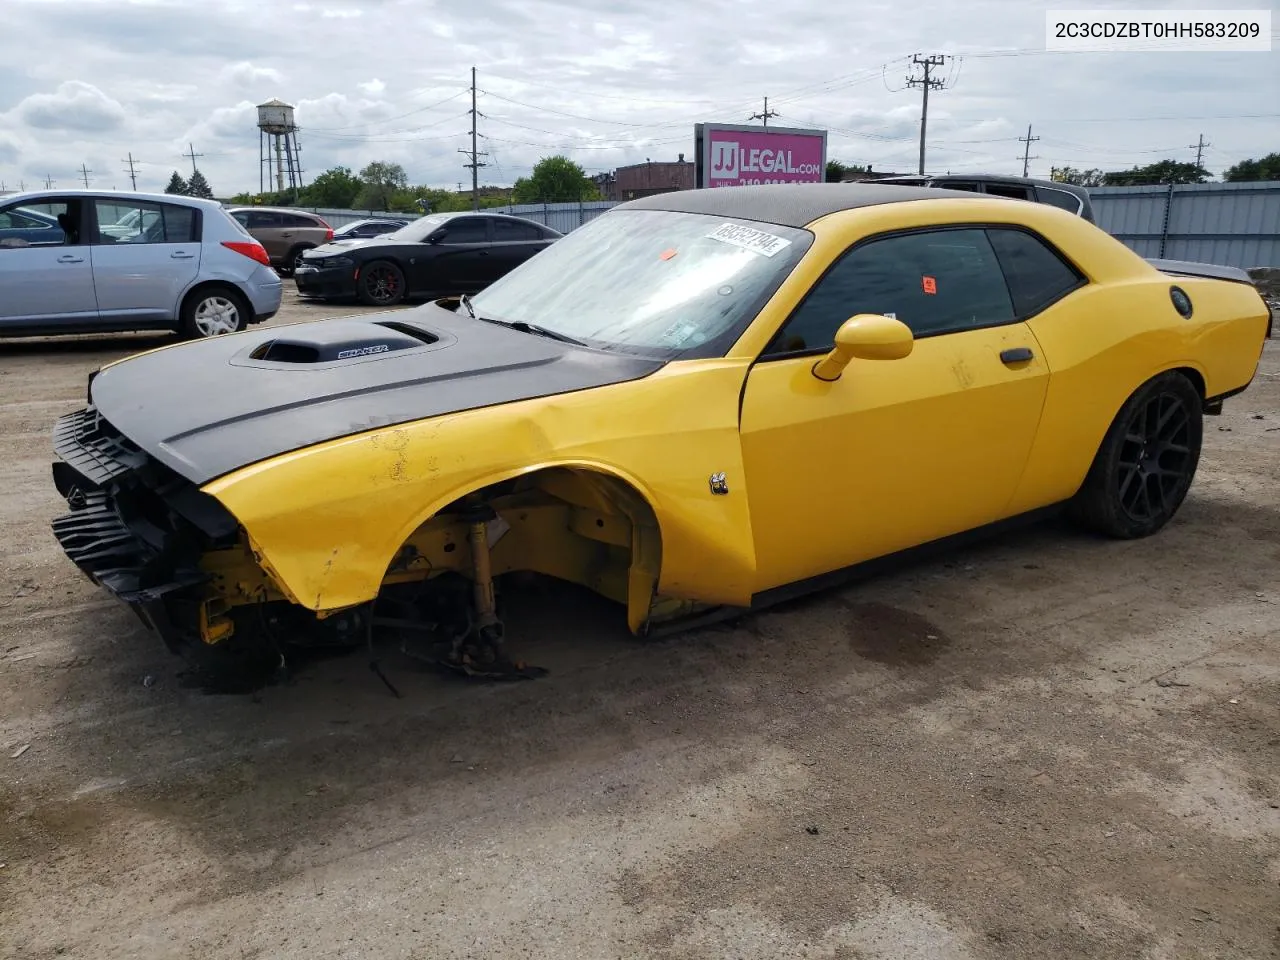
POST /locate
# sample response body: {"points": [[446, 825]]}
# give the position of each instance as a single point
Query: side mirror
{"points": [[866, 336]]}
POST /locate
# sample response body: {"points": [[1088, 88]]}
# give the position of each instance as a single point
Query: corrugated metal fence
{"points": [[558, 216], [1233, 224]]}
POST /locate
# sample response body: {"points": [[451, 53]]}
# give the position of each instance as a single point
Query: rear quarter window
{"points": [[1037, 274]]}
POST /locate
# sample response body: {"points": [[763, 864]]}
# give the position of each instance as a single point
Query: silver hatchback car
{"points": [[80, 261]]}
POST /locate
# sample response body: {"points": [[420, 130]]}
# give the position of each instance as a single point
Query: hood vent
{"points": [[364, 341]]}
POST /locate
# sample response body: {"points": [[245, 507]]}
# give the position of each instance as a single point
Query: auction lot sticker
{"points": [[749, 238]]}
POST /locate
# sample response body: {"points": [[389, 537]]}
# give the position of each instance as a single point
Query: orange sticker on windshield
{"points": [[667, 254], [930, 284]]}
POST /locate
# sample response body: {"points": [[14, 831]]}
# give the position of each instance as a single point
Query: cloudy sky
{"points": [[607, 83]]}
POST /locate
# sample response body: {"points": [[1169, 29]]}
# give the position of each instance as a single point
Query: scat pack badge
{"points": [[719, 485]]}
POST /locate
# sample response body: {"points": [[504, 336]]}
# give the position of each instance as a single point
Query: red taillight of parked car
{"points": [[249, 248], [328, 230]]}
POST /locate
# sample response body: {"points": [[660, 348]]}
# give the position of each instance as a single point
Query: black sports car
{"points": [[434, 256]]}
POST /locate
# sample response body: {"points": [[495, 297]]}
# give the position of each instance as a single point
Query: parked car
{"points": [[1066, 196], [430, 257], [364, 229], [118, 261], [697, 404], [286, 234]]}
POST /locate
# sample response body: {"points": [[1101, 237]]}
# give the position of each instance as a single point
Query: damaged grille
{"points": [[97, 450], [136, 528], [101, 544]]}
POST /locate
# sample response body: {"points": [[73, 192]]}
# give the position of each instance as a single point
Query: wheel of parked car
{"points": [[381, 284], [213, 312], [1146, 462], [295, 256]]}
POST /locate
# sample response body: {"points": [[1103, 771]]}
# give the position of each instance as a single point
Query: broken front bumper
{"points": [[136, 528]]}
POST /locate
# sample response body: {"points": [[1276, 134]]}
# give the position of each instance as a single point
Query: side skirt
{"points": [[858, 572]]}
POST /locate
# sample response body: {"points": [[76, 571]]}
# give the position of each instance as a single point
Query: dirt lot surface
{"points": [[1048, 746]]}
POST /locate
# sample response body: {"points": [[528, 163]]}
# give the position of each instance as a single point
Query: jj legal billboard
{"points": [[729, 155]]}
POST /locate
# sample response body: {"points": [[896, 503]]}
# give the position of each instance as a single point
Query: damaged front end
{"points": [[181, 560], [147, 535]]}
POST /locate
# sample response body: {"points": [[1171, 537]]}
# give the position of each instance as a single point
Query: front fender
{"points": [[327, 521]]}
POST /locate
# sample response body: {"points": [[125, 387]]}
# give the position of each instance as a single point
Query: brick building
{"points": [[646, 179]]}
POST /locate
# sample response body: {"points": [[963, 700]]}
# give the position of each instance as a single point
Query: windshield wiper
{"points": [[522, 325], [525, 327]]}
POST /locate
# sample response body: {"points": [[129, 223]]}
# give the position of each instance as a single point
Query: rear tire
{"points": [[381, 284], [212, 312], [1146, 462]]}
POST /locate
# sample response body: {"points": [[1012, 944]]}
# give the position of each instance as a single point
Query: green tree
{"points": [[554, 180], [198, 186], [381, 182], [835, 171], [1165, 171], [1268, 168], [1081, 178], [337, 187], [176, 185]]}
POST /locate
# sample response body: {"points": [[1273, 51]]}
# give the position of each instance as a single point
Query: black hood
{"points": [[210, 407]]}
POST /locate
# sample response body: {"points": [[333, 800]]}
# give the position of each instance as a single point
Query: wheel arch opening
{"points": [[581, 524]]}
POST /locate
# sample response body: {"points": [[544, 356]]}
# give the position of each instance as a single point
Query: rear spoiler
{"points": [[1185, 268]]}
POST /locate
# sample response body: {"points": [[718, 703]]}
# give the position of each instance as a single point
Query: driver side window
{"points": [[934, 281]]}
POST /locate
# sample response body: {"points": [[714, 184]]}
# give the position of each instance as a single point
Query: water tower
{"points": [[278, 133]]}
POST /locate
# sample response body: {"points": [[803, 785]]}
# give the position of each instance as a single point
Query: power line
{"points": [[133, 177], [925, 83], [192, 154], [764, 117], [1199, 147], [475, 164], [1026, 154]]}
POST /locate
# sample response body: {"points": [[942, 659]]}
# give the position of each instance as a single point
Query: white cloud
{"points": [[246, 74], [604, 82], [73, 106]]}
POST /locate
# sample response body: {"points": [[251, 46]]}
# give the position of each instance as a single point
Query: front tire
{"points": [[381, 284], [1145, 465], [213, 312]]}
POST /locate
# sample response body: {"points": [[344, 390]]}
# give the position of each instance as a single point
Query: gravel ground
{"points": [[1047, 746]]}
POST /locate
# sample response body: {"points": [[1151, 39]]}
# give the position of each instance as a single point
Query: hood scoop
{"points": [[336, 344]]}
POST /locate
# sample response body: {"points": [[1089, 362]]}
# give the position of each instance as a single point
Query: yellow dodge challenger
{"points": [[697, 404]]}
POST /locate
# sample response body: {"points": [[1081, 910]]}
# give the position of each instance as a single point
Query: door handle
{"points": [[286, 234], [1016, 355], [70, 258], [179, 255]]}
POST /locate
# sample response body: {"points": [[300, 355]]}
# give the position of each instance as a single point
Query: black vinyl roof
{"points": [[789, 204]]}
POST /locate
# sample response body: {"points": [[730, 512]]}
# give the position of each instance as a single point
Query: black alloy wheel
{"points": [[381, 284], [1147, 461]]}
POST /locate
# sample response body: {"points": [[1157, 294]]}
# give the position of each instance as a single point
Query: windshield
{"points": [[649, 281], [420, 228]]}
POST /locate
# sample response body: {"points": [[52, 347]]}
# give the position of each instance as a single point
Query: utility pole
{"points": [[926, 83], [192, 154], [1199, 146], [48, 182], [475, 164], [133, 177], [84, 175], [1026, 154], [764, 117]]}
